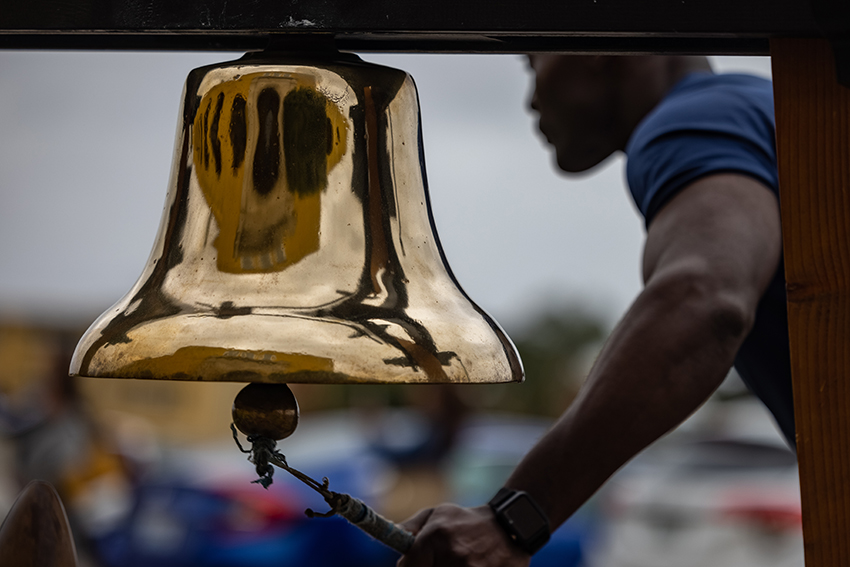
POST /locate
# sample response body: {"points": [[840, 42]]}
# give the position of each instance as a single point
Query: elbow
{"points": [[728, 320], [705, 304]]}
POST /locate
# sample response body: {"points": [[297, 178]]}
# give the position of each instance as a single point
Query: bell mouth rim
{"points": [[316, 378], [265, 348]]}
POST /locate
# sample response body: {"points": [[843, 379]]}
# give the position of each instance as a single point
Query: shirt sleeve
{"points": [[701, 131], [669, 163]]}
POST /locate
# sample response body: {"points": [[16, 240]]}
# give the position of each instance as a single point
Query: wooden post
{"points": [[813, 144]]}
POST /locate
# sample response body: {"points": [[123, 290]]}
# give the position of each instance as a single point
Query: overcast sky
{"points": [[86, 147]]}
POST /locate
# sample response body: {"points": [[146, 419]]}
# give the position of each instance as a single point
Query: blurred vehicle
{"points": [[179, 525], [707, 497], [487, 450], [202, 510]]}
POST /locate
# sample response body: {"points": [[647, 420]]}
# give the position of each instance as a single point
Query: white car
{"points": [[722, 493]]}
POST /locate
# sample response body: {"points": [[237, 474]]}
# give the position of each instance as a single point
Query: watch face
{"points": [[525, 518]]}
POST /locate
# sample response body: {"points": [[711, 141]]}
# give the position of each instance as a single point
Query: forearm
{"points": [[667, 355], [710, 254]]}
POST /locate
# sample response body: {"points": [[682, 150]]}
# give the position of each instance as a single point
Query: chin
{"points": [[574, 164]]}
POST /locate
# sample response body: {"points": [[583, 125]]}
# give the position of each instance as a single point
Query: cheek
{"points": [[577, 127]]}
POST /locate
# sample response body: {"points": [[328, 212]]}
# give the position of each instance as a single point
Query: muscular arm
{"points": [[710, 254]]}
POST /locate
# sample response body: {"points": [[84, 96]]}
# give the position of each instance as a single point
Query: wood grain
{"points": [[813, 145], [36, 533]]}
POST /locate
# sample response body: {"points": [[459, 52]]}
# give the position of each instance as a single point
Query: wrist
{"points": [[522, 519]]}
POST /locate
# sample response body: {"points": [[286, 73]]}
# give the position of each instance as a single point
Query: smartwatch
{"points": [[522, 518]]}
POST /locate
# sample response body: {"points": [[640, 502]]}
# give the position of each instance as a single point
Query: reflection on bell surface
{"points": [[297, 243]]}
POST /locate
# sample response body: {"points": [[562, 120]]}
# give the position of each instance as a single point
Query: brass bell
{"points": [[297, 244]]}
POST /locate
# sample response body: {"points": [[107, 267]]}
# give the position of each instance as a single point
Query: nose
{"points": [[533, 101]]}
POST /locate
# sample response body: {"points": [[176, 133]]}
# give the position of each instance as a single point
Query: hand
{"points": [[451, 536]]}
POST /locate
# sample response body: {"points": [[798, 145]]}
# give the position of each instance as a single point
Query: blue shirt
{"points": [[710, 124]]}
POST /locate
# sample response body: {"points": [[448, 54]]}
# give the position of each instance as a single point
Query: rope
{"points": [[263, 455]]}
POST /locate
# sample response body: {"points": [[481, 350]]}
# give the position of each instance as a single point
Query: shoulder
{"points": [[706, 124], [731, 104]]}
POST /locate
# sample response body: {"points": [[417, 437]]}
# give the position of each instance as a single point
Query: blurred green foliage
{"points": [[556, 348]]}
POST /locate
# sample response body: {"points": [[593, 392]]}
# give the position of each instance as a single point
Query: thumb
{"points": [[415, 522]]}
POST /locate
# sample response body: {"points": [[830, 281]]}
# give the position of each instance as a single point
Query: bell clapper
{"points": [[266, 410], [267, 413]]}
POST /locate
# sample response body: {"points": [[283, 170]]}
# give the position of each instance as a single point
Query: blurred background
{"points": [[149, 471]]}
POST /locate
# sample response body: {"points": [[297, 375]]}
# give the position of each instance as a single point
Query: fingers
{"points": [[417, 557], [415, 522], [451, 536]]}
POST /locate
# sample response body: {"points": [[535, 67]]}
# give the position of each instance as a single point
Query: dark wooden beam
{"points": [[395, 43], [813, 144], [617, 26]]}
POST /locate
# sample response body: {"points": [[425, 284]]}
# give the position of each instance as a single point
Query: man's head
{"points": [[589, 105]]}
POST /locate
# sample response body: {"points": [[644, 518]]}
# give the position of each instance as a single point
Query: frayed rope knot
{"points": [[261, 452]]}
